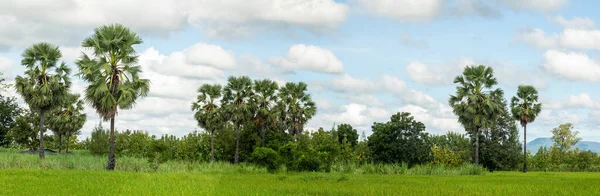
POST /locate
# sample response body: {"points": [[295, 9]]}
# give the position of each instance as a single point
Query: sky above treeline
{"points": [[363, 60]]}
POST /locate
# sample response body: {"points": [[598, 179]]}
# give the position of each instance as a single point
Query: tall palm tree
{"points": [[208, 113], [67, 119], [475, 102], [236, 105], [264, 99], [46, 83], [112, 74], [525, 108], [297, 105]]}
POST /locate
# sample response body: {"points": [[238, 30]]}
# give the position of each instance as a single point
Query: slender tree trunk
{"points": [[237, 144], [263, 135], [212, 146], [68, 136], [111, 152], [59, 143], [524, 148], [41, 150], [477, 148]]}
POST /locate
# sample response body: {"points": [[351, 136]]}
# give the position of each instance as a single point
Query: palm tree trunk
{"points": [[212, 146], [111, 152], [524, 148], [68, 136], [263, 136], [59, 143], [41, 150], [477, 147], [237, 143]]}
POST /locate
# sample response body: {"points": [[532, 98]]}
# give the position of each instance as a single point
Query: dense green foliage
{"points": [[400, 140]]}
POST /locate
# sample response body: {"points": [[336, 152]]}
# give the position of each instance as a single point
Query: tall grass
{"points": [[83, 160]]}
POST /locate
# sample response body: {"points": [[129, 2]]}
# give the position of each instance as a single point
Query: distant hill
{"points": [[534, 145]]}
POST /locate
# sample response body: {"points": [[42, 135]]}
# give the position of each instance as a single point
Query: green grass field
{"points": [[83, 174], [89, 182]]}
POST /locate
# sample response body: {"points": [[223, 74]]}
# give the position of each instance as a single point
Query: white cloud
{"points": [[581, 39], [572, 66], [403, 10], [310, 58], [240, 18], [537, 5], [573, 23], [474, 8], [210, 55], [66, 22], [364, 99], [513, 75], [569, 38], [347, 83], [556, 117], [5, 64], [538, 38], [178, 64], [583, 100], [433, 118]]}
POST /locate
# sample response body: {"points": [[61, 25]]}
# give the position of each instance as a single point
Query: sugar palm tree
{"points": [[208, 112], [236, 105], [45, 84], [112, 74], [297, 106], [525, 108], [67, 119], [264, 99], [475, 102]]}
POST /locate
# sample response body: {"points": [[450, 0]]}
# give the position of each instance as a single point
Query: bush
{"points": [[99, 142], [446, 156], [266, 157]]}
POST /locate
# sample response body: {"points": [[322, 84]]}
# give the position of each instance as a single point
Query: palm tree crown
{"points": [[112, 72], [297, 106], [525, 106], [475, 102], [45, 83], [208, 113], [264, 99]]}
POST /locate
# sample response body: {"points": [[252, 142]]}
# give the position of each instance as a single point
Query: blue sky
{"points": [[363, 60]]}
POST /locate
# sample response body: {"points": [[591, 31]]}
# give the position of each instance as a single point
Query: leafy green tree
{"points": [[236, 105], [208, 112], [23, 133], [475, 103], [455, 143], [68, 119], [500, 147], [297, 106], [9, 112], [345, 131], [112, 74], [98, 141], [564, 137], [525, 108], [400, 140], [46, 82], [264, 100]]}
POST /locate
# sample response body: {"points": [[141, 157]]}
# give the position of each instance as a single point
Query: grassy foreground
{"points": [[90, 182]]}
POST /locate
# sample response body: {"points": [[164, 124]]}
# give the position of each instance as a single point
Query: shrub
{"points": [[266, 157], [446, 156]]}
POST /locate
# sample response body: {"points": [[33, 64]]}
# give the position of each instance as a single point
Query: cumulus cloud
{"points": [[240, 18], [403, 10], [573, 23], [578, 101], [479, 8], [572, 66], [310, 58], [538, 38], [66, 22], [568, 38], [347, 83], [537, 5]]}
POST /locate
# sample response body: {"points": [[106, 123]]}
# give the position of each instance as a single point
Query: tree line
{"points": [[254, 121]]}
